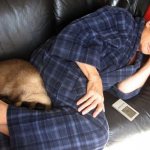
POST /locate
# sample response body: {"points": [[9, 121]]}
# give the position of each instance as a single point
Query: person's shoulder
{"points": [[113, 10], [116, 15]]}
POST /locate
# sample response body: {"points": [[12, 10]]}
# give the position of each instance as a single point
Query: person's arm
{"points": [[135, 81], [94, 96], [89, 71], [3, 118]]}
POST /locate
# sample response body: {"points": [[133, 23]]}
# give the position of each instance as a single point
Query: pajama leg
{"points": [[4, 142], [59, 129]]}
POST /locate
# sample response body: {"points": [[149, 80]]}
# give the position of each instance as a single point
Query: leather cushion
{"points": [[24, 25], [120, 127]]}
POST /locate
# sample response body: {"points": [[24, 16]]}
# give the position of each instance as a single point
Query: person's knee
{"points": [[105, 136], [103, 132], [98, 129]]}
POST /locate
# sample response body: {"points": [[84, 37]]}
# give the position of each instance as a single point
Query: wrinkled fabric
{"points": [[106, 39], [4, 142]]}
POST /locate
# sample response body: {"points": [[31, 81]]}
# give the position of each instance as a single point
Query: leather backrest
{"points": [[68, 10], [26, 24]]}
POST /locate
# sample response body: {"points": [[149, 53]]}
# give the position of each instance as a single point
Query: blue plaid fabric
{"points": [[106, 39], [4, 142]]}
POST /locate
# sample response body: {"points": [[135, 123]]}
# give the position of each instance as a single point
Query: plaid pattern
{"points": [[4, 142], [59, 129], [107, 39]]}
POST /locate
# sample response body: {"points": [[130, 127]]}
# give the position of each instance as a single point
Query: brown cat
{"points": [[21, 82]]}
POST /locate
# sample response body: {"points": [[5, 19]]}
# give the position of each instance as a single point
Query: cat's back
{"points": [[15, 73], [15, 65]]}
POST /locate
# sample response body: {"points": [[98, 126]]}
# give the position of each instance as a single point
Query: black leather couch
{"points": [[26, 24]]}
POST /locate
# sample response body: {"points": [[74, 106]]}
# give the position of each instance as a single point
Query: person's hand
{"points": [[3, 103], [3, 112], [93, 99], [147, 64], [148, 60], [3, 118]]}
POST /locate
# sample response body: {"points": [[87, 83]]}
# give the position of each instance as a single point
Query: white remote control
{"points": [[125, 109]]}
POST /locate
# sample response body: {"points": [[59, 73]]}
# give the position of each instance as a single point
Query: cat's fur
{"points": [[21, 82]]}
